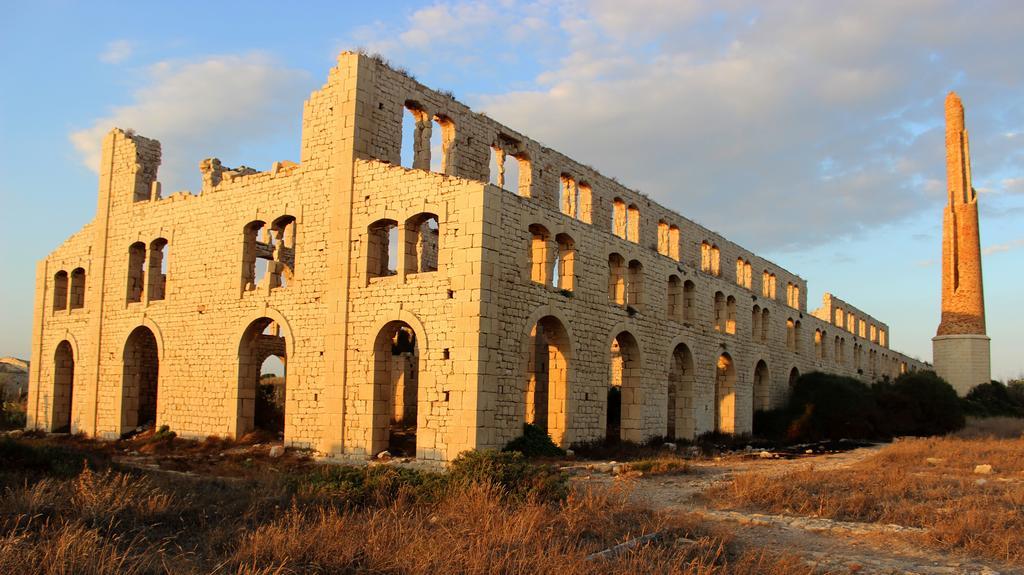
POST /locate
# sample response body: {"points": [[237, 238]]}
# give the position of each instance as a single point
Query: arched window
{"points": [[511, 171], [720, 313], [663, 241], [797, 337], [675, 298], [863, 332], [705, 257], [765, 324], [567, 196], [157, 277], [443, 134], [77, 295], [616, 279], [382, 249], [635, 285], [837, 350], [633, 224], [765, 284], [739, 271], [730, 315], [565, 262], [673, 242], [540, 254], [60, 291], [817, 344], [689, 294], [136, 269], [840, 319], [619, 217], [882, 338], [790, 334], [716, 269], [585, 203], [873, 331], [415, 143], [755, 323], [421, 243]]}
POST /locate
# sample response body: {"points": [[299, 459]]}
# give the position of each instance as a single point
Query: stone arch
{"points": [[258, 405], [397, 364], [422, 242], [682, 422], [725, 394], [762, 387], [794, 374], [624, 413], [140, 378], [63, 387], [548, 352]]}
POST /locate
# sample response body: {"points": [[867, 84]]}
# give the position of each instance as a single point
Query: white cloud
{"points": [[701, 101], [210, 107], [117, 51]]}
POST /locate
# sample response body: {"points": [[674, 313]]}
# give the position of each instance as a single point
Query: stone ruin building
{"points": [[429, 308]]}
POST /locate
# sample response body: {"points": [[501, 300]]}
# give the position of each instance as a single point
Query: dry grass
{"points": [[108, 521], [662, 464], [993, 427], [926, 483]]}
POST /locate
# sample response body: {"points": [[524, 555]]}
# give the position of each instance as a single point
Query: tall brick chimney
{"points": [[960, 347]]}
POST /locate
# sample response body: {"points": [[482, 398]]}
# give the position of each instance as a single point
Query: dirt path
{"points": [[831, 546]]}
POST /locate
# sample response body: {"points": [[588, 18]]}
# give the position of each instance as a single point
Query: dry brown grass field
{"points": [[269, 516], [927, 483], [158, 504]]}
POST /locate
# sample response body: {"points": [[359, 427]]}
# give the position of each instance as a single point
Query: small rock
{"points": [[570, 453], [693, 450], [983, 469], [277, 451], [765, 455], [935, 460], [809, 451], [384, 454], [979, 482], [16, 433], [669, 446], [617, 469]]}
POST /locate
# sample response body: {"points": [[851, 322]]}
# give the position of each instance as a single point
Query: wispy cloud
{"points": [[1004, 247], [117, 51], [203, 108]]}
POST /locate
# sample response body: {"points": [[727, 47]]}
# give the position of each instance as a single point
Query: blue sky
{"points": [[809, 132]]}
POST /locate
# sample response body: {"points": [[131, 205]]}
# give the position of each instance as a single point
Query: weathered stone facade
{"points": [[421, 302], [960, 347]]}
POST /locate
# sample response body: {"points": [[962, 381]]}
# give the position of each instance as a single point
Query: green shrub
{"points": [[919, 403], [995, 399], [12, 415], [372, 484], [824, 406], [534, 442], [22, 460], [771, 423], [511, 471]]}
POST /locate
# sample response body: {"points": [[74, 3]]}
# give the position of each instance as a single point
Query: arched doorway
{"points": [[140, 376], [625, 397], [396, 370], [762, 387], [63, 387], [725, 395], [681, 423], [794, 374], [547, 386], [262, 379]]}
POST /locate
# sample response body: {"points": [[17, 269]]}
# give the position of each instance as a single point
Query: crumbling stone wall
{"points": [[361, 249]]}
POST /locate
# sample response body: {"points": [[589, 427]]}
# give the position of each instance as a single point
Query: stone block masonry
{"points": [[424, 303]]}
